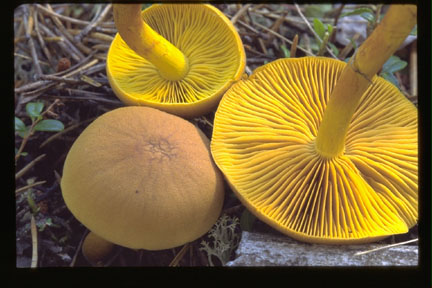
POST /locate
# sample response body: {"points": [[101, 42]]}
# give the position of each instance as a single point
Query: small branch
{"points": [[275, 26], [347, 49], [336, 21], [66, 33], [93, 24], [31, 86], [72, 264], [41, 40], [179, 255], [71, 20], [385, 247], [64, 44], [64, 131], [413, 70], [26, 138], [312, 30], [239, 13], [293, 49], [34, 259], [60, 79], [22, 189], [283, 38], [28, 22], [28, 166]]}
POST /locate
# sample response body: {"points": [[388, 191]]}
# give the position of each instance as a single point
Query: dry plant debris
{"points": [[59, 60]]}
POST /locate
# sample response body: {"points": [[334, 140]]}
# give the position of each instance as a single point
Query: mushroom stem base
{"points": [[330, 141]]}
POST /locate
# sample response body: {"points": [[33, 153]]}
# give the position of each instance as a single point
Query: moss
{"points": [[225, 239]]}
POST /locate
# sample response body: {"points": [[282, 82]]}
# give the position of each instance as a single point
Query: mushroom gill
{"points": [[264, 142], [210, 44]]}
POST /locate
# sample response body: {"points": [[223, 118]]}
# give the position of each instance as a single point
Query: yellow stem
{"points": [[357, 76], [140, 37], [96, 249]]}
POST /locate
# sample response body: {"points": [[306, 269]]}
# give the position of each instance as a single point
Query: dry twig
{"points": [[25, 188], [284, 39], [180, 255], [313, 31], [239, 13], [293, 49], [20, 173], [95, 22], [34, 259], [413, 70], [385, 247]]}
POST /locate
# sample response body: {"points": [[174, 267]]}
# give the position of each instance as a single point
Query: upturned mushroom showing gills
{"points": [[179, 58], [143, 179], [322, 150]]}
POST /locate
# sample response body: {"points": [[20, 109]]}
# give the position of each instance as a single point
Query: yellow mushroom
{"points": [[143, 179], [322, 150], [179, 58]]}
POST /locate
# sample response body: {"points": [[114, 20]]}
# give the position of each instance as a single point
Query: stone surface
{"points": [[273, 250]]}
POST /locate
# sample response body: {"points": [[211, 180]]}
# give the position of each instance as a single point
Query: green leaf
{"points": [[34, 208], [330, 29], [247, 219], [414, 31], [391, 78], [334, 48], [319, 27], [317, 10], [21, 128], [19, 125], [34, 109], [393, 64], [49, 125], [368, 16], [286, 51], [358, 11]]}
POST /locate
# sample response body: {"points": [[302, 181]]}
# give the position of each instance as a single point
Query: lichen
{"points": [[225, 239]]}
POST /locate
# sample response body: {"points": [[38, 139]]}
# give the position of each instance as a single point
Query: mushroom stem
{"points": [[141, 38], [96, 249], [357, 76]]}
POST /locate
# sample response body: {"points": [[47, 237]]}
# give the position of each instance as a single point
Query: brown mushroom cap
{"points": [[142, 178], [264, 143]]}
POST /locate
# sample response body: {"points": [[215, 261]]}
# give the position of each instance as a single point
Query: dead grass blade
{"points": [[34, 259], [385, 247]]}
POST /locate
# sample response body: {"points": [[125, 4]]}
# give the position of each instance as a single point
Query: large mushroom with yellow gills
{"points": [[141, 178], [178, 58], [322, 150]]}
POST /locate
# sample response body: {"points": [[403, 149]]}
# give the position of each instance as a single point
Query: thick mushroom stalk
{"points": [[140, 37], [96, 249], [357, 77]]}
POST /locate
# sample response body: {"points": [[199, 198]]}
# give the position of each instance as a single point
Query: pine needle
{"points": [[385, 247]]}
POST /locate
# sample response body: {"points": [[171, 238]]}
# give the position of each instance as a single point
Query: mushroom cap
{"points": [[144, 179], [264, 143], [211, 44]]}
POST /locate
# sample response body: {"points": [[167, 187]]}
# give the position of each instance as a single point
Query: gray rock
{"points": [[272, 250]]}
